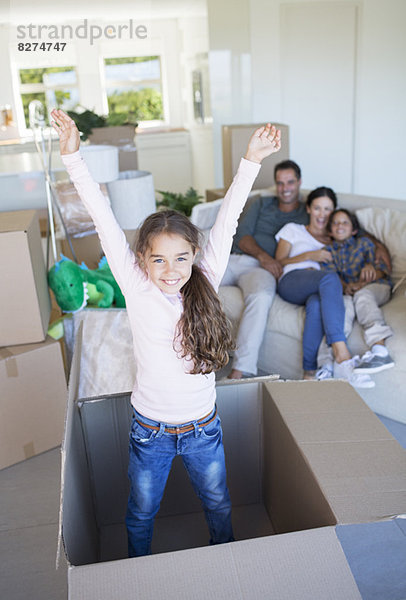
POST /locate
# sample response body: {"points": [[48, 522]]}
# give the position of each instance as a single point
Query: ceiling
{"points": [[49, 11]]}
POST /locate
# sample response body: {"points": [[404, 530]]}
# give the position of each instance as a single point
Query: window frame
{"points": [[43, 88], [124, 83]]}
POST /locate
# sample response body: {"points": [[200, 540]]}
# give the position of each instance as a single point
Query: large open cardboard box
{"points": [[300, 456]]}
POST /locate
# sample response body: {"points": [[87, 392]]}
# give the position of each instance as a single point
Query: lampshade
{"points": [[102, 162], [132, 198]]}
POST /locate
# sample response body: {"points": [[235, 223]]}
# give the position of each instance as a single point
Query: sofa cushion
{"points": [[284, 318], [389, 226]]}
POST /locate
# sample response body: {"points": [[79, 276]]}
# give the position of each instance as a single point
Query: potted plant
{"points": [[181, 202], [112, 128], [115, 129]]}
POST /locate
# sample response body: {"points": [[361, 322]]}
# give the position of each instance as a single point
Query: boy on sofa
{"points": [[353, 258]]}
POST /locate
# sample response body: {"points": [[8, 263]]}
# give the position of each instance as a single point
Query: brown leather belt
{"points": [[183, 429]]}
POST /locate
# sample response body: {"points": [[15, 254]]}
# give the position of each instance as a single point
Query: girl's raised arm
{"points": [[113, 240], [264, 141]]}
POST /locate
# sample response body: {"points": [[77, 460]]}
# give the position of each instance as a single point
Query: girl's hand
{"points": [[368, 273], [264, 141], [69, 137]]}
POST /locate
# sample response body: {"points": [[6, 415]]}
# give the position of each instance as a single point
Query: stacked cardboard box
{"points": [[234, 138], [24, 297], [32, 376], [32, 402], [122, 137]]}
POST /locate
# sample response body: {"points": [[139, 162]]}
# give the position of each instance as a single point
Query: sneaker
{"points": [[345, 370], [325, 372], [372, 363]]}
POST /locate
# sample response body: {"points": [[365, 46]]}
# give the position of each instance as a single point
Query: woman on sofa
{"points": [[300, 250]]}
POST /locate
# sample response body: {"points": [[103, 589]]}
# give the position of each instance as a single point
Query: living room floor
{"points": [[29, 514]]}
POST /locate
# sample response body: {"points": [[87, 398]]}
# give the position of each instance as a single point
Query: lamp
{"points": [[132, 198], [102, 162]]}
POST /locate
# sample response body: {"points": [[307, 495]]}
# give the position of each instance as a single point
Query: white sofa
{"points": [[281, 350]]}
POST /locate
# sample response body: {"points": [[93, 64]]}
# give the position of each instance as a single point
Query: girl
{"points": [[368, 282], [300, 250], [180, 338]]}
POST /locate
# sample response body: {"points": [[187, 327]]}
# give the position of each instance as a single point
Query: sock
{"points": [[379, 350]]}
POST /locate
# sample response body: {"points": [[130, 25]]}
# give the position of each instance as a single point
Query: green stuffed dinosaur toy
{"points": [[75, 286]]}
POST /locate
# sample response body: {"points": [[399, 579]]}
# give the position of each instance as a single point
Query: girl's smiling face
{"points": [[319, 212], [168, 262], [341, 228]]}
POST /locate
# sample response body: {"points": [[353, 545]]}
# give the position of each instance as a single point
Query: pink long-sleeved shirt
{"points": [[164, 390]]}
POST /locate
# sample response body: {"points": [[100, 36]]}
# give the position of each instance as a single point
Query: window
{"points": [[53, 86], [134, 89]]}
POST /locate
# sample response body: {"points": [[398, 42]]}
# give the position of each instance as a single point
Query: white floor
{"points": [[29, 513]]}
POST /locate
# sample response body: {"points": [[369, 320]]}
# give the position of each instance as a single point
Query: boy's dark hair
{"points": [[203, 331], [350, 215], [287, 164], [320, 192]]}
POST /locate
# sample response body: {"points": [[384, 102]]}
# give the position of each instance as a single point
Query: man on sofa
{"points": [[252, 266]]}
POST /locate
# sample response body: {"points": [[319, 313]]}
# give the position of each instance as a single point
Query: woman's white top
{"points": [[301, 241]]}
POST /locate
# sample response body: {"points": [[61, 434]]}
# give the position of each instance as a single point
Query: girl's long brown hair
{"points": [[203, 331]]}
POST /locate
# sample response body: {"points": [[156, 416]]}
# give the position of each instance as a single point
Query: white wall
{"points": [[263, 65], [380, 139], [333, 70]]}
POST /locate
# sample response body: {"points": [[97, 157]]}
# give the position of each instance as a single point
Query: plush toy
{"points": [[75, 286]]}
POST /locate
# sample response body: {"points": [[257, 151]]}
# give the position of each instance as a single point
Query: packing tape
{"points": [[10, 361], [29, 450], [5, 353]]}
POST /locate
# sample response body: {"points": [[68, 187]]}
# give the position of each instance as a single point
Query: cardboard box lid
{"points": [[7, 352], [307, 565], [19, 220], [358, 465], [24, 295]]}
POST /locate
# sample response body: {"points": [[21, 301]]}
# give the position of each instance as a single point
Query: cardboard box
{"points": [[88, 248], [298, 457], [122, 137], [215, 194], [235, 138], [32, 400], [24, 298]]}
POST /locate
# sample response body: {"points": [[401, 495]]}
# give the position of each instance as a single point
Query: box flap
{"points": [[359, 466], [77, 526], [307, 565]]}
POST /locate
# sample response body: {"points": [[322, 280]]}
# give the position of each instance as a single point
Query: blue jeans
{"points": [[321, 293], [151, 456]]}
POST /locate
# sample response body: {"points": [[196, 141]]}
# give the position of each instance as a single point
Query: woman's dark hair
{"points": [[350, 215], [319, 193], [203, 331]]}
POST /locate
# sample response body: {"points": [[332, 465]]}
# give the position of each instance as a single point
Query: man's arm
{"points": [[248, 245], [381, 252]]}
